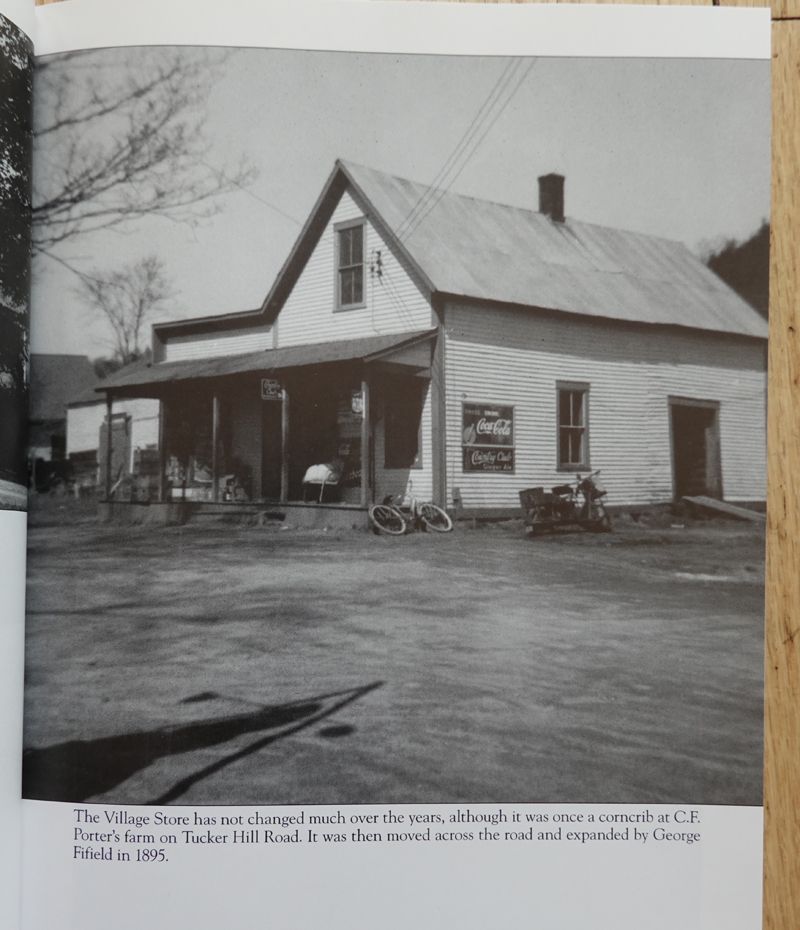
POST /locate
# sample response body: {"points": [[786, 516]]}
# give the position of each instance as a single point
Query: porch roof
{"points": [[144, 381]]}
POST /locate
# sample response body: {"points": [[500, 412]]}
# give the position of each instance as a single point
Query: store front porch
{"points": [[238, 435]]}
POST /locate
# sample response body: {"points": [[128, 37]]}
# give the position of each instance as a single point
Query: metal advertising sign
{"points": [[492, 460], [488, 438], [270, 389], [357, 403]]}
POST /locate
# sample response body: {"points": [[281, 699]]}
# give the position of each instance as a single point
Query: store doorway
{"points": [[696, 462], [271, 449]]}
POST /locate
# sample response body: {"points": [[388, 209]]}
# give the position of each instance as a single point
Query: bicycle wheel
{"points": [[386, 519], [434, 518]]}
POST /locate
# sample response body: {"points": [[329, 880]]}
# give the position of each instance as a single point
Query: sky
{"points": [[675, 148]]}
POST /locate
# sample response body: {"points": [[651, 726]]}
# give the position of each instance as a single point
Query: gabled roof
{"points": [[54, 381], [477, 249]]}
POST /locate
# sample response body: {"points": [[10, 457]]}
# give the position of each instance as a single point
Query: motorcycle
{"points": [[580, 503]]}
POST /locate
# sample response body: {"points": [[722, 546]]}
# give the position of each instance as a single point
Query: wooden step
{"points": [[729, 510]]}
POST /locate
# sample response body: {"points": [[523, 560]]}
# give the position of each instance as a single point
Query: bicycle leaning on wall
{"points": [[407, 515]]}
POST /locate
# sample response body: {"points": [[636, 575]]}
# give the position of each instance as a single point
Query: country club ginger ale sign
{"points": [[488, 438]]}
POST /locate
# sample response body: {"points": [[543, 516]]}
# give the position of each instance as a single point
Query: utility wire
{"points": [[497, 89], [246, 190], [440, 192]]}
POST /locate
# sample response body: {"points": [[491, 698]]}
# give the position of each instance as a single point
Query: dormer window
{"points": [[349, 265]]}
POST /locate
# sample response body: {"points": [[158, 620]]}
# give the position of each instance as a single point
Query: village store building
{"points": [[463, 350]]}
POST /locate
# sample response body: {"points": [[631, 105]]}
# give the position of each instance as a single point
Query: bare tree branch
{"points": [[127, 298], [125, 141]]}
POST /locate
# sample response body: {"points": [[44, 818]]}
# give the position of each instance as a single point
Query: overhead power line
{"points": [[497, 89], [471, 147]]}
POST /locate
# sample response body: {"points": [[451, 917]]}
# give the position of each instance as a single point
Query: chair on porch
{"points": [[322, 476]]}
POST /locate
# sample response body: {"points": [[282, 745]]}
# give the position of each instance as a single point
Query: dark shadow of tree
{"points": [[81, 769]]}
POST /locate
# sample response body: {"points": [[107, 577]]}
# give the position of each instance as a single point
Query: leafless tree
{"points": [[120, 138], [127, 298]]}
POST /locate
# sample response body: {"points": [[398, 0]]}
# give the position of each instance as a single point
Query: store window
{"points": [[403, 403], [573, 426], [350, 266]]}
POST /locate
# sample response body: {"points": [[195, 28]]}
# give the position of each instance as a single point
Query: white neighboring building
{"points": [[135, 430]]}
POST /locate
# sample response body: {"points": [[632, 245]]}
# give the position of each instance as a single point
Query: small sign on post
{"points": [[270, 389], [357, 403]]}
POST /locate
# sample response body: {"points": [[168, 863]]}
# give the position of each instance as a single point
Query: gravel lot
{"points": [[254, 665]]}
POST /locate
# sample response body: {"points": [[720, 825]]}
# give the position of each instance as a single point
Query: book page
{"points": [[16, 68], [406, 562]]}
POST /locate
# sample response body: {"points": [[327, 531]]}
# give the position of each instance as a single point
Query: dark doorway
{"points": [[696, 467], [271, 449]]}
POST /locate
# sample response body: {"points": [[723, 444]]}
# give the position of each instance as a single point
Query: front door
{"points": [[696, 467], [271, 449]]}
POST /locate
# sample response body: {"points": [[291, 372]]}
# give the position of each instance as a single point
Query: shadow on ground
{"points": [[82, 769]]}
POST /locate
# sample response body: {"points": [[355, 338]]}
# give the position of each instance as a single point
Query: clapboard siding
{"points": [[84, 422], [217, 344], [503, 356], [83, 427], [393, 303]]}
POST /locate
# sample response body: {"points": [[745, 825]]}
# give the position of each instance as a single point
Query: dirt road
{"points": [[250, 665]]}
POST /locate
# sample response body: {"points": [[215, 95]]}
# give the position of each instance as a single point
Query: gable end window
{"points": [[572, 412], [349, 265]]}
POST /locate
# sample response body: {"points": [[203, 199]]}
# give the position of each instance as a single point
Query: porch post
{"points": [[162, 451], [109, 446], [365, 439], [438, 435], [284, 445], [214, 447]]}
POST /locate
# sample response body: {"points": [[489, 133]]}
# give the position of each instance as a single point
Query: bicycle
{"points": [[395, 520]]}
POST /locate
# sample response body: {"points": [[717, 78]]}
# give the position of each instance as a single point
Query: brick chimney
{"points": [[551, 196]]}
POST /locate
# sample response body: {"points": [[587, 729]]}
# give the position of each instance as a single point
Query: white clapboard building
{"points": [[465, 349], [134, 431]]}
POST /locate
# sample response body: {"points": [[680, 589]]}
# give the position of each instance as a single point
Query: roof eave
{"points": [[338, 181], [410, 264], [239, 318], [297, 256]]}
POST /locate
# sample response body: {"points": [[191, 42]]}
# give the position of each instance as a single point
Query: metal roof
{"points": [[265, 360], [499, 253]]}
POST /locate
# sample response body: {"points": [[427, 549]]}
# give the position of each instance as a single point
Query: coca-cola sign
{"points": [[488, 437]]}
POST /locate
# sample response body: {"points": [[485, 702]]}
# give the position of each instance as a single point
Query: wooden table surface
{"points": [[782, 731]]}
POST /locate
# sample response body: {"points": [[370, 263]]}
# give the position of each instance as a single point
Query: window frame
{"points": [[338, 229], [585, 464]]}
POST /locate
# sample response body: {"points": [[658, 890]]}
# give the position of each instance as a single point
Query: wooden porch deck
{"points": [[299, 514]]}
